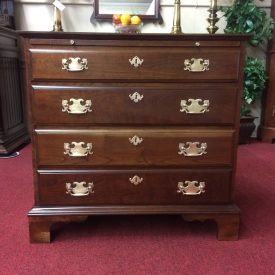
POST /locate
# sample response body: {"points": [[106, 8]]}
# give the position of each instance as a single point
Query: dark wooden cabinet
{"points": [[267, 129], [133, 124], [13, 131]]}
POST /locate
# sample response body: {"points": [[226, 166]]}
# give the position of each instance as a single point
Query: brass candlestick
{"points": [[176, 29], [213, 18], [57, 26]]}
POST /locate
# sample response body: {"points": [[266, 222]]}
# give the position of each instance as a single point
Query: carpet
{"points": [[143, 244]]}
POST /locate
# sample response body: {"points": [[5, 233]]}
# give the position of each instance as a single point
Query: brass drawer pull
{"points": [[136, 61], [196, 65], [192, 149], [78, 149], [191, 188], [76, 64], [136, 180], [135, 140], [76, 106], [79, 189], [195, 106], [136, 97]]}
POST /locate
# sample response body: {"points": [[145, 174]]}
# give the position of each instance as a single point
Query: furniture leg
{"points": [[228, 224], [40, 226]]}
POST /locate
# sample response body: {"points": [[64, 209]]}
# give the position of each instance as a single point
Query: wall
{"points": [[37, 15]]}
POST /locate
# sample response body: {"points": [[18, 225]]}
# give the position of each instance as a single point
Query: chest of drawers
{"points": [[133, 124]]}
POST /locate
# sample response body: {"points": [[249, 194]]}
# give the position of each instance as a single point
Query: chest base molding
{"points": [[42, 219]]}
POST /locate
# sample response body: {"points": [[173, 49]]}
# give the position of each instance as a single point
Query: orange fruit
{"points": [[125, 19], [116, 19], [135, 20]]}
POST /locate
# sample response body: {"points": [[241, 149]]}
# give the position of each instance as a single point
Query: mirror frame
{"points": [[155, 16]]}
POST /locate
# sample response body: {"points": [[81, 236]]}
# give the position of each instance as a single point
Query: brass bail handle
{"points": [[57, 25], [176, 29]]}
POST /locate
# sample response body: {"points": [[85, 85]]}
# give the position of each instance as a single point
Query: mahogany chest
{"points": [[133, 124]]}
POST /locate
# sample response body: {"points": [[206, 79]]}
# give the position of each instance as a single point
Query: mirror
{"points": [[146, 9]]}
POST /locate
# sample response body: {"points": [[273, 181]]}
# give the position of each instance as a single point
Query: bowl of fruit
{"points": [[125, 23]]}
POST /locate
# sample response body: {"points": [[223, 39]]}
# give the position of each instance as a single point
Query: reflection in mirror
{"points": [[146, 9]]}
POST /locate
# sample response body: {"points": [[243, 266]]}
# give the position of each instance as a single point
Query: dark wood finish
{"points": [[228, 225], [114, 187], [112, 147], [225, 209], [112, 63], [226, 216], [160, 105], [40, 227], [59, 38], [114, 119], [13, 132], [267, 129], [267, 134]]}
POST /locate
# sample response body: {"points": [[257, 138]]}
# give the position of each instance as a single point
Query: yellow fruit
{"points": [[125, 19], [135, 20]]}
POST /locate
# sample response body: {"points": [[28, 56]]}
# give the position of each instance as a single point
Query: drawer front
{"points": [[135, 63], [135, 187], [111, 147], [187, 105]]}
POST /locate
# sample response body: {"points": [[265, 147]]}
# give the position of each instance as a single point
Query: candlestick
{"points": [[176, 29], [213, 4], [57, 26], [213, 18]]}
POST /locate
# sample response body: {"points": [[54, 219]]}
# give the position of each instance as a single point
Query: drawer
{"points": [[137, 187], [136, 146], [135, 63], [135, 104]]}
